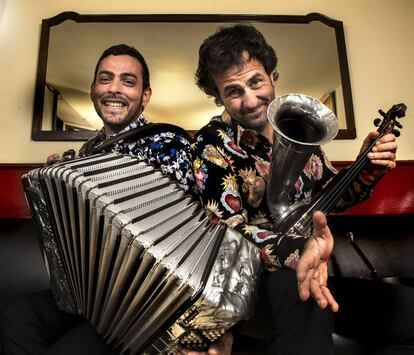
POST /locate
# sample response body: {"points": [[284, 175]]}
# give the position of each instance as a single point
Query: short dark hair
{"points": [[225, 48], [124, 49]]}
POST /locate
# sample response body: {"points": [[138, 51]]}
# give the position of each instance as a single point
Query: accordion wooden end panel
{"points": [[133, 253]]}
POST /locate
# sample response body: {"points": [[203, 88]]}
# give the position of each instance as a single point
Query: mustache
{"points": [[264, 101], [114, 97]]}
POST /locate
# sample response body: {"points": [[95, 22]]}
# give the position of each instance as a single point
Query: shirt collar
{"points": [[246, 135], [138, 122]]}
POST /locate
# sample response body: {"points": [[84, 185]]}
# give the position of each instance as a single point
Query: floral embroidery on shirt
{"points": [[230, 197], [216, 156], [168, 151], [259, 218], [200, 173], [262, 166], [230, 145], [253, 186], [292, 260], [234, 188]]}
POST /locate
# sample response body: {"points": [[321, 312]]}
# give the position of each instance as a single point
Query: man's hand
{"points": [[221, 346], [52, 159], [312, 268], [382, 156]]}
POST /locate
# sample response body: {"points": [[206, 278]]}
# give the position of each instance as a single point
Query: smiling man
{"points": [[120, 91], [231, 161], [33, 324]]}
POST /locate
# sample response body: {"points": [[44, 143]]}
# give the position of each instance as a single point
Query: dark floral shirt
{"points": [[167, 151], [231, 168]]}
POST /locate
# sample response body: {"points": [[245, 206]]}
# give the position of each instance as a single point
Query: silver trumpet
{"points": [[301, 124]]}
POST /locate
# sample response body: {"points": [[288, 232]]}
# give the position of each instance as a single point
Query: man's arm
{"points": [[312, 268], [381, 160], [52, 159], [382, 157], [171, 153]]}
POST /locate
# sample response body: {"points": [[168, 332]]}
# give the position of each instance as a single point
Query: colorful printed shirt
{"points": [[168, 151], [231, 168]]}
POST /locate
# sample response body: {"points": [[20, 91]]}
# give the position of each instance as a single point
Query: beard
{"points": [[117, 121], [248, 120]]}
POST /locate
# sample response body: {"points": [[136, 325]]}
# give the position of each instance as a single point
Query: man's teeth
{"points": [[114, 104]]}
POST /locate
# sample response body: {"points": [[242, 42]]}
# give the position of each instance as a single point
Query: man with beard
{"points": [[231, 161], [120, 91], [32, 324]]}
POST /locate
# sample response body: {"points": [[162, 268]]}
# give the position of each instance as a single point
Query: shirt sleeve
{"points": [[358, 191], [171, 153]]}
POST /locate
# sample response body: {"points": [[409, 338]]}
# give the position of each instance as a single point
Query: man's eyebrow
{"points": [[128, 74], [105, 72], [230, 87], [255, 76]]}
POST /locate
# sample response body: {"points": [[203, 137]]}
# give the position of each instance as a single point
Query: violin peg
{"points": [[399, 125], [382, 113], [396, 133], [377, 122]]}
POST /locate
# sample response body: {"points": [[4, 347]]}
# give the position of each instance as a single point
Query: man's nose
{"points": [[250, 100], [115, 85]]}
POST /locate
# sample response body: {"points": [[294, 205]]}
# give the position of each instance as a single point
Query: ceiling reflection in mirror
{"points": [[309, 63]]}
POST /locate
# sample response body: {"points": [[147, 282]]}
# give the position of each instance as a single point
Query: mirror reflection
{"points": [[309, 63]]}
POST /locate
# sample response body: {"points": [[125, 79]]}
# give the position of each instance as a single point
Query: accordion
{"points": [[132, 252]]}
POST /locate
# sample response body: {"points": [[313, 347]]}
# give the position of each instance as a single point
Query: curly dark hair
{"points": [[124, 49], [225, 48]]}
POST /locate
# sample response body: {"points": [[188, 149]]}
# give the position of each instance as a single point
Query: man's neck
{"points": [[110, 130], [268, 132]]}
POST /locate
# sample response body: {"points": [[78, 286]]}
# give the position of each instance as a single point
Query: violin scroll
{"points": [[389, 121]]}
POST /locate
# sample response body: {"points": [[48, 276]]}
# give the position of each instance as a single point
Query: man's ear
{"points": [[92, 90], [146, 96], [217, 97], [274, 76]]}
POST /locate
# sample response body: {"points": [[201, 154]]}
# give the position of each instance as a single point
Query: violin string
{"points": [[328, 201]]}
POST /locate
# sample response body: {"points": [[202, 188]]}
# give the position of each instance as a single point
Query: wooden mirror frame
{"points": [[42, 135]]}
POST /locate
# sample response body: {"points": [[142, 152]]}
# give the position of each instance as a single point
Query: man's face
{"points": [[117, 92], [246, 93]]}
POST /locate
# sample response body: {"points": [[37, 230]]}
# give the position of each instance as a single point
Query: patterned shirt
{"points": [[231, 168], [168, 151]]}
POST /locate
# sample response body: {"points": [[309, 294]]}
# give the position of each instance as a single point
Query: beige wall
{"points": [[379, 36]]}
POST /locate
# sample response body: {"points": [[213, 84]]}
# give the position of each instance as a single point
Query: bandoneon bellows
{"points": [[134, 254]]}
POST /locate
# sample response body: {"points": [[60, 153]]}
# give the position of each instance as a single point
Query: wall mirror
{"points": [[311, 51]]}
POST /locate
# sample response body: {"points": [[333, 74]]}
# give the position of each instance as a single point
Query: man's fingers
{"points": [[223, 345], [385, 147], [318, 247], [320, 224], [305, 264], [333, 305], [52, 159]]}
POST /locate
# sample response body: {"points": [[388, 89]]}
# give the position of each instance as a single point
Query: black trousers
{"points": [[32, 325], [378, 314], [297, 327]]}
